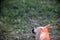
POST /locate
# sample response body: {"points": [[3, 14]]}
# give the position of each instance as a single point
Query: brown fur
{"points": [[42, 33]]}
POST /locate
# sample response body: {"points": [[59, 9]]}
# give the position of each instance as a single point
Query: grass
{"points": [[21, 15]]}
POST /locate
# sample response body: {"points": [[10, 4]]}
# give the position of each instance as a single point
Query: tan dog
{"points": [[42, 32]]}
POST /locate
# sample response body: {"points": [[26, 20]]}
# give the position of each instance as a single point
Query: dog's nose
{"points": [[33, 31]]}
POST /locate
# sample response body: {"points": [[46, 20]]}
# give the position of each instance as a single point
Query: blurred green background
{"points": [[18, 17]]}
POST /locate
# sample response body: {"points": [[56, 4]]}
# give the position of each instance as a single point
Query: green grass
{"points": [[25, 14]]}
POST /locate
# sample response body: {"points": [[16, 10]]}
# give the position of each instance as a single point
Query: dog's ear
{"points": [[47, 26], [33, 31]]}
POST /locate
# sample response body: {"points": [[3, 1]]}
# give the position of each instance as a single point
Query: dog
{"points": [[41, 32]]}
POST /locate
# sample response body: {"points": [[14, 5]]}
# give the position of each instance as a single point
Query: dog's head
{"points": [[40, 29]]}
